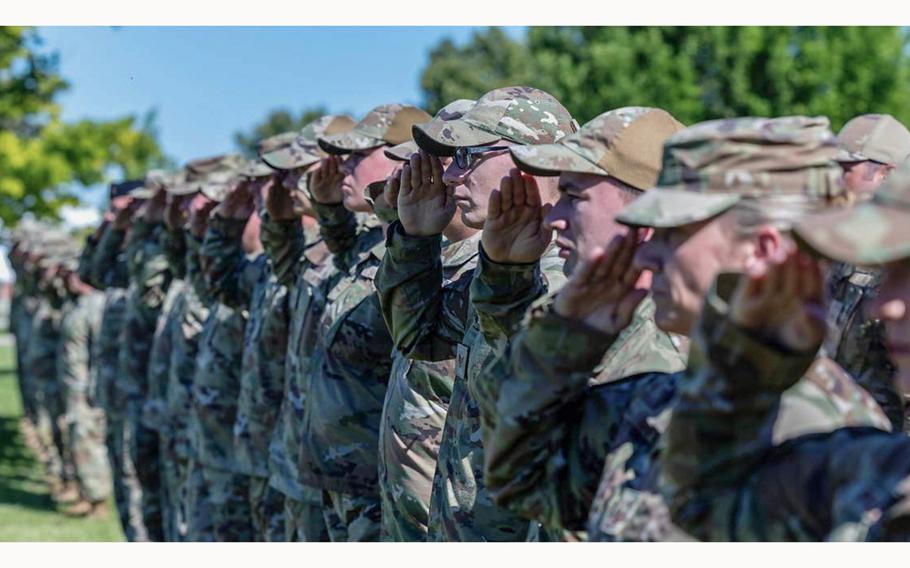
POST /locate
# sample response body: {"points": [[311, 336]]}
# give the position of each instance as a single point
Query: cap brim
{"points": [[186, 188], [847, 156], [291, 157], [866, 234], [443, 137], [551, 160], [347, 142], [665, 207], [215, 191], [257, 170], [402, 152], [141, 193]]}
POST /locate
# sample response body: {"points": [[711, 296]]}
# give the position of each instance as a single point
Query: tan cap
{"points": [[304, 149], [877, 137], [385, 124], [626, 143]]}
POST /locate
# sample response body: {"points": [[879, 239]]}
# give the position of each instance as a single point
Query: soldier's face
{"points": [[684, 262], [892, 307], [863, 178], [474, 185], [583, 217], [360, 170]]}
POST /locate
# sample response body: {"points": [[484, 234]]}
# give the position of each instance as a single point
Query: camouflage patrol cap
{"points": [[385, 124], [126, 187], [524, 115], [625, 143], [877, 137], [304, 150], [218, 185], [452, 111], [709, 167], [195, 173], [876, 231]]}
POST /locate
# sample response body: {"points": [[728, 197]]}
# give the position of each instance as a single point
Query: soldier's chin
{"points": [[471, 217]]}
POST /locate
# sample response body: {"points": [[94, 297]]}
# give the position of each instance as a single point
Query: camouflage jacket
{"points": [[434, 320], [154, 407], [413, 417], [752, 449], [85, 260], [109, 337], [108, 266], [41, 356], [240, 282], [562, 401], [216, 386], [77, 351], [301, 257], [192, 311], [150, 277], [350, 364], [856, 342]]}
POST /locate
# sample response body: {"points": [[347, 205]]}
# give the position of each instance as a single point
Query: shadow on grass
{"points": [[21, 481]]}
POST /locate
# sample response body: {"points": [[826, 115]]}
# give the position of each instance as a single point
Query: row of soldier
{"points": [[370, 332]]}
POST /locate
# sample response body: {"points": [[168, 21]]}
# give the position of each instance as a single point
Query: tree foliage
{"points": [[44, 160], [277, 121], [696, 73]]}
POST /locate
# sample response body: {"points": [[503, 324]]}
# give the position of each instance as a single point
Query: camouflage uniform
{"points": [[154, 410], [734, 466], [42, 362], [300, 264], [78, 362], [432, 320], [108, 271], [349, 370], [708, 169], [150, 277], [239, 282], [413, 418], [23, 305], [189, 496]]}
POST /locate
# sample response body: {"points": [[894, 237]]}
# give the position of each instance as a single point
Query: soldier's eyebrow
{"points": [[568, 186]]}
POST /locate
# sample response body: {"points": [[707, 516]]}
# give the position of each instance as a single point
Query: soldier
{"points": [[77, 359], [300, 261], [168, 329], [418, 393], [41, 360], [350, 365], [541, 463], [193, 498], [434, 320], [243, 283], [729, 480], [216, 382], [108, 271], [871, 145]]}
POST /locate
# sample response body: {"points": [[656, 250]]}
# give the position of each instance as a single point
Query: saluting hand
{"points": [[238, 205], [602, 290], [514, 231], [280, 203], [782, 300], [325, 183], [425, 204]]}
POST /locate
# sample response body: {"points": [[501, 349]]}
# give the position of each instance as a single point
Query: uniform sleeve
{"points": [[284, 242], [154, 275], [501, 293], [85, 261], [338, 228], [74, 359], [226, 274], [105, 258], [174, 246], [427, 320], [722, 425], [538, 416]]}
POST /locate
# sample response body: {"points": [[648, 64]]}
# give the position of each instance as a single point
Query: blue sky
{"points": [[207, 83]]}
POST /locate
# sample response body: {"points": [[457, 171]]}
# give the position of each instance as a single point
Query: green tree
{"points": [[44, 160], [491, 59], [701, 73], [277, 121]]}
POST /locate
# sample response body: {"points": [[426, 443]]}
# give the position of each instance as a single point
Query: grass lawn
{"points": [[27, 512]]}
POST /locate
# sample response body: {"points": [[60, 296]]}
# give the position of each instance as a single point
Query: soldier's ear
{"points": [[768, 243]]}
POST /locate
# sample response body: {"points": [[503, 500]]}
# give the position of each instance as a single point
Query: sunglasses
{"points": [[467, 157]]}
